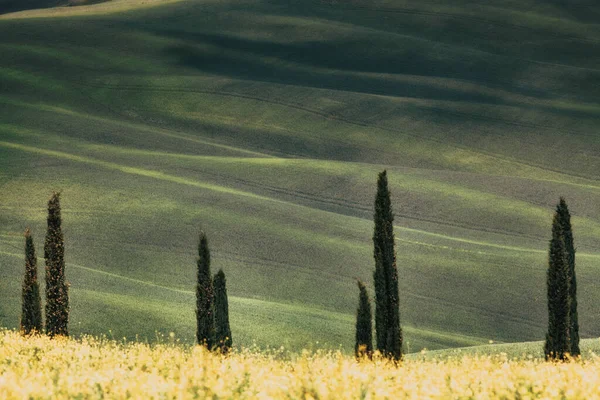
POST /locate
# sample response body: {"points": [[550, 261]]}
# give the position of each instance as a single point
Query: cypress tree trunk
{"points": [[558, 344], [565, 221], [31, 310], [387, 311], [204, 296], [57, 291], [364, 327], [222, 329]]}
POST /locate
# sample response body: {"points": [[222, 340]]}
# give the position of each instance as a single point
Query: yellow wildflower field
{"points": [[89, 368]]}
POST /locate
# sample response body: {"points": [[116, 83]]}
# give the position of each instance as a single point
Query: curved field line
{"points": [[212, 187], [313, 310], [136, 126], [443, 247], [467, 241], [216, 188], [477, 243], [221, 189], [477, 310], [498, 157], [361, 208], [354, 205], [349, 204], [134, 171], [301, 107], [306, 308]]}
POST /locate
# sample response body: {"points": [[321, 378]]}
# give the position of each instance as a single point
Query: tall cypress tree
{"points": [[31, 308], [565, 221], [204, 296], [57, 291], [223, 339], [387, 311], [558, 344], [364, 327]]}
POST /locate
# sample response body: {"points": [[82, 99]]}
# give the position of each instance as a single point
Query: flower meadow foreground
{"points": [[41, 368]]}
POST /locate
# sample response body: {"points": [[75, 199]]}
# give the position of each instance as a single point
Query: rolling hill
{"points": [[265, 123]]}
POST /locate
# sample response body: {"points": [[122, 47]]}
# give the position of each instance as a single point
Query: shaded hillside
{"points": [[7, 6], [10, 6]]}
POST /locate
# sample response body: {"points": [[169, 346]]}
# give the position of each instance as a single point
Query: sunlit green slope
{"points": [[265, 123]]}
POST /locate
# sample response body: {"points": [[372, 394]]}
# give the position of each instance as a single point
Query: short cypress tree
{"points": [[31, 309], [565, 221], [364, 328], [558, 346], [223, 339], [387, 307], [57, 290], [204, 296]]}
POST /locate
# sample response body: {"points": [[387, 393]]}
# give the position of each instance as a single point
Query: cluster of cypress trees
{"points": [[57, 289], [387, 307], [562, 339], [212, 307]]}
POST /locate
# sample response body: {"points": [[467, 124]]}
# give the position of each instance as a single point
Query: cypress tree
{"points": [[31, 309], [565, 221], [387, 311], [557, 346], [222, 329], [57, 290], [204, 296], [364, 328]]}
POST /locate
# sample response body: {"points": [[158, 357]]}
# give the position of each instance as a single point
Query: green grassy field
{"points": [[265, 123]]}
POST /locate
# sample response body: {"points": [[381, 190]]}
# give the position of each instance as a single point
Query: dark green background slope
{"points": [[265, 123]]}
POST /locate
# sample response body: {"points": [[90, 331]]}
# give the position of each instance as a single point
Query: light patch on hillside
{"points": [[109, 7]]}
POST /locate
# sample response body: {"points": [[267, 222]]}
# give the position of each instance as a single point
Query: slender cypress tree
{"points": [[364, 327], [558, 346], [387, 311], [565, 221], [57, 289], [31, 309], [223, 339], [204, 297]]}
